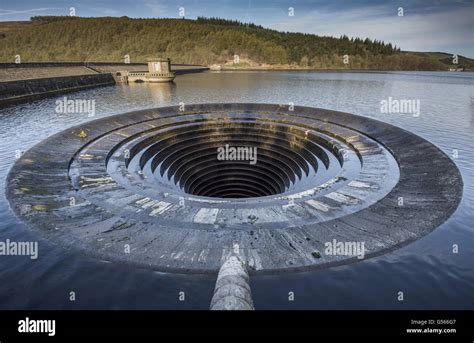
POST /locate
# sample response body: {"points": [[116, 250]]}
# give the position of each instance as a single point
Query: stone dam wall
{"points": [[23, 71], [12, 92], [30, 81], [27, 73]]}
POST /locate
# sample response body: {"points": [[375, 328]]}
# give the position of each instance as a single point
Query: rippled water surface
{"points": [[428, 273]]}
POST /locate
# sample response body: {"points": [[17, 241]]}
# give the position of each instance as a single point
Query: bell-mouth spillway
{"points": [[152, 181]]}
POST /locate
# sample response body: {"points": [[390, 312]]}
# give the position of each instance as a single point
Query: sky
{"points": [[426, 25]]}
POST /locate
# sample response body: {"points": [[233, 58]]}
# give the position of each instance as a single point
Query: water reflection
{"points": [[157, 92]]}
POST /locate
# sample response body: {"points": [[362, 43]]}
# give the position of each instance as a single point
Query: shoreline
{"points": [[383, 71], [7, 65]]}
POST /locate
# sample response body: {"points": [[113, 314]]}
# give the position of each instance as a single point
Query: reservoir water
{"points": [[435, 272]]}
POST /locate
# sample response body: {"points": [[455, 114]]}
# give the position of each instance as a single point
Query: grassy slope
{"points": [[199, 42], [8, 27]]}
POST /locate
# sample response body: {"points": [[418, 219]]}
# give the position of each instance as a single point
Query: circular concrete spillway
{"points": [[270, 157], [149, 188]]}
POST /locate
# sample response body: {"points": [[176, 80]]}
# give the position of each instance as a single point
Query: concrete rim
{"points": [[39, 190]]}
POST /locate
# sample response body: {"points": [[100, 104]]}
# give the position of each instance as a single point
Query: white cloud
{"points": [[4, 12]]}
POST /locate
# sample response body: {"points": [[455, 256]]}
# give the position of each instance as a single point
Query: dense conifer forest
{"points": [[201, 41]]}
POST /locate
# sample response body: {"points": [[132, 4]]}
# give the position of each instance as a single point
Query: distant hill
{"points": [[445, 58], [202, 41]]}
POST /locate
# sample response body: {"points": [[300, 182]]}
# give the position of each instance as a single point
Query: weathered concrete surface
{"points": [[138, 201], [232, 290]]}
